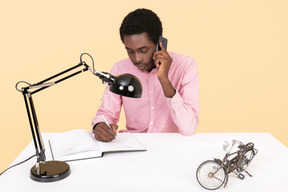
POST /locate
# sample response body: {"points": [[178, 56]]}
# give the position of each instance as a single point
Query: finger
{"points": [[162, 47], [107, 129], [158, 60], [157, 63], [102, 136], [160, 56], [99, 136], [103, 132], [162, 53], [115, 128]]}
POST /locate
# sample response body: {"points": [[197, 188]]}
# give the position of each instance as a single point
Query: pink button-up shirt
{"points": [[154, 112]]}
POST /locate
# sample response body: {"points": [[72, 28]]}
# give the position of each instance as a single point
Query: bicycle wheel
{"points": [[205, 177]]}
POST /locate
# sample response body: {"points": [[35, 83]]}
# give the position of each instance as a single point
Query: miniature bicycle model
{"points": [[212, 174]]}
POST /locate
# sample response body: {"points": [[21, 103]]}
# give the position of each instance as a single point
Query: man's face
{"points": [[140, 50]]}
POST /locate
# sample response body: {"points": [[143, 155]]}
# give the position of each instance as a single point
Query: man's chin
{"points": [[141, 68]]}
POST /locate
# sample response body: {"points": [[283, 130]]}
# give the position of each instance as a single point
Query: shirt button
{"points": [[151, 92], [151, 122], [152, 107]]}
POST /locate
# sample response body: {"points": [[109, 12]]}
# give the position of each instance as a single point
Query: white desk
{"points": [[169, 164]]}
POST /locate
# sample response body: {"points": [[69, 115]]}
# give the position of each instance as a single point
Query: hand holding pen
{"points": [[105, 132]]}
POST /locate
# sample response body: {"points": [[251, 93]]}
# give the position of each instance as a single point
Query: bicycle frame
{"points": [[236, 162]]}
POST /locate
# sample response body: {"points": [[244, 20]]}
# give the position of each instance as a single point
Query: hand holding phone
{"points": [[163, 61], [164, 43]]}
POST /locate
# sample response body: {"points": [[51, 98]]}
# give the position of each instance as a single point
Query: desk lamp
{"points": [[48, 171]]}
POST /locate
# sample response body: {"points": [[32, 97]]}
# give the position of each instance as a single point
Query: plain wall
{"points": [[240, 48]]}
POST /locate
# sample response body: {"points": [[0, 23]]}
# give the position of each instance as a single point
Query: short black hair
{"points": [[139, 21]]}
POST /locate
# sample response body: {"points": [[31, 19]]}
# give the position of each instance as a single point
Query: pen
{"points": [[106, 121]]}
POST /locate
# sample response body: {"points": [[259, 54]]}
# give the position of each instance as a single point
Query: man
{"points": [[170, 96]]}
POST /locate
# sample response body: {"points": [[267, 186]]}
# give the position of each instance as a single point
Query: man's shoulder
{"points": [[122, 65]]}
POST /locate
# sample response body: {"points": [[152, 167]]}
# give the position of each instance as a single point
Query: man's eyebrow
{"points": [[138, 48]]}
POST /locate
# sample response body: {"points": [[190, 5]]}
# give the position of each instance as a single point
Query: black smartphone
{"points": [[164, 42]]}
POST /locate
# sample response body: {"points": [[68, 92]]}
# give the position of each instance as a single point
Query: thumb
{"points": [[114, 127]]}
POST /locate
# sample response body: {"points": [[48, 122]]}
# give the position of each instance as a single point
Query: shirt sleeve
{"points": [[184, 105]]}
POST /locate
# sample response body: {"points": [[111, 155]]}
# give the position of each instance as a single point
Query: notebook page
{"points": [[123, 142], [74, 144]]}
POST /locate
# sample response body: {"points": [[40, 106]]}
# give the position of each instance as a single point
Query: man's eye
{"points": [[130, 52], [144, 51]]}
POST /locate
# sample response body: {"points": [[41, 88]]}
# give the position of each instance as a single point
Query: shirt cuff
{"points": [[93, 128]]}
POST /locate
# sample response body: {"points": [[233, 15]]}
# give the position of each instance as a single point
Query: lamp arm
{"points": [[30, 117], [31, 112], [105, 77], [42, 85]]}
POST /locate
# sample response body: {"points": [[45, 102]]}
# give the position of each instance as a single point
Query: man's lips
{"points": [[140, 66]]}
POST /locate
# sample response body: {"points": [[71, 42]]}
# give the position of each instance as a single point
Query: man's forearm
{"points": [[167, 87]]}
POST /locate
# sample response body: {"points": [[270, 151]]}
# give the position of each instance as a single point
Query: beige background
{"points": [[240, 47]]}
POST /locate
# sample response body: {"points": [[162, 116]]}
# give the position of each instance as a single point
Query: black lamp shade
{"points": [[127, 85]]}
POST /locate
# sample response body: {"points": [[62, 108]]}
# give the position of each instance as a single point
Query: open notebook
{"points": [[80, 144]]}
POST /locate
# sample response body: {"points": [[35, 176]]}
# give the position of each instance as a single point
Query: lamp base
{"points": [[50, 171]]}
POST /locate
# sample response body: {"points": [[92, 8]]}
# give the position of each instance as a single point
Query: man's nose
{"points": [[138, 58]]}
